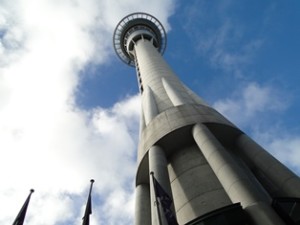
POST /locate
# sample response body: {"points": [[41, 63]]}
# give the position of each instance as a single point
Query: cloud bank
{"points": [[47, 142]]}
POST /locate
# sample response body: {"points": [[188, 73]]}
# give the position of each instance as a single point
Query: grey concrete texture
{"points": [[196, 188], [142, 205], [175, 118], [238, 186], [235, 182], [262, 214], [158, 165], [284, 180], [182, 142], [152, 69], [173, 93], [149, 105]]}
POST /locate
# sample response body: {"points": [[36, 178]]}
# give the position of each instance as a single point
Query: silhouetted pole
{"points": [[156, 199], [21, 216], [88, 209]]}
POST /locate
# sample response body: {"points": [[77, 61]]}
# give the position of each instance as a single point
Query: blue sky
{"points": [[69, 108]]}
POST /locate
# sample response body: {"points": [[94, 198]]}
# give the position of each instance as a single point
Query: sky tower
{"points": [[214, 172]]}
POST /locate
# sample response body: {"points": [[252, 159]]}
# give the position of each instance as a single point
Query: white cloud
{"points": [[287, 150], [120, 207], [251, 108], [219, 37], [249, 101], [47, 143], [281, 142], [78, 146], [224, 48]]}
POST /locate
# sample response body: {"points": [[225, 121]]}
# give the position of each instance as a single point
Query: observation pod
{"points": [[134, 27], [208, 170]]}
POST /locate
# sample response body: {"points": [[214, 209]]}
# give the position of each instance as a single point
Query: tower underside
{"points": [[214, 172]]}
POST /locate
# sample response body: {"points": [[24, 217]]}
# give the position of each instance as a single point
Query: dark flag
{"points": [[165, 201], [88, 209], [21, 216]]}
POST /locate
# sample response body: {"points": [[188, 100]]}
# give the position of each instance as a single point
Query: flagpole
{"points": [[92, 182], [156, 199], [88, 209], [21, 215]]}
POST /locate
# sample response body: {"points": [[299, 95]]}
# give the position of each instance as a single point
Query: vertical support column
{"points": [[235, 181], [287, 183], [173, 94], [158, 165], [152, 69], [149, 105], [142, 122], [142, 205]]}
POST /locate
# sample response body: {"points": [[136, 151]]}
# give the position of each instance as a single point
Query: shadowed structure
{"points": [[214, 172]]}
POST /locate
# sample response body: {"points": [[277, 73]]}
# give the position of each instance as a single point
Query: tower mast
{"points": [[212, 170]]}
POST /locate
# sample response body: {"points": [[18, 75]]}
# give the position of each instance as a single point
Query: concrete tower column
{"points": [[167, 90], [149, 105], [206, 176], [142, 205], [173, 94], [158, 165], [235, 181], [278, 175]]}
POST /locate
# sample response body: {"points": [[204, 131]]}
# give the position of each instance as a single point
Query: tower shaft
{"points": [[213, 171], [157, 78], [202, 174]]}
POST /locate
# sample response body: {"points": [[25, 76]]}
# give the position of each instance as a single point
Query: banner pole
{"points": [[156, 199]]}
